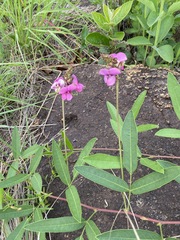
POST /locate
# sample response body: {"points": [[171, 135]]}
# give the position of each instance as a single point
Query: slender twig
{"points": [[121, 212]]}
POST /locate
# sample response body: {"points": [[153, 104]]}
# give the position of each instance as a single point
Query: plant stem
{"points": [[64, 128]]}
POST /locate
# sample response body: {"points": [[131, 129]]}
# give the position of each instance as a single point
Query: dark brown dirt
{"points": [[87, 117]]}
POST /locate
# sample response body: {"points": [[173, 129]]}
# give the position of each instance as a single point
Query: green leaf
{"points": [[174, 7], [97, 39], [68, 142], [101, 21], [13, 169], [17, 233], [30, 151], [139, 40], [152, 165], [36, 182], [143, 22], [12, 181], [34, 163], [85, 152], [107, 13], [169, 133], [60, 164], [146, 127], [121, 12], [92, 230], [80, 238], [149, 4], [174, 92], [117, 36], [103, 161], [155, 180], [128, 234], [165, 52], [166, 25], [16, 143], [38, 216], [74, 202], [138, 104], [129, 141], [153, 18], [55, 225], [103, 178], [113, 113], [14, 212]]}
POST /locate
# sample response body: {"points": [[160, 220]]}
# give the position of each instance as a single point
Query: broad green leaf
{"points": [[153, 18], [103, 161], [13, 169], [165, 52], [128, 234], [174, 7], [14, 212], [143, 22], [150, 61], [34, 163], [117, 36], [12, 181], [36, 182], [92, 230], [155, 180], [149, 4], [152, 165], [138, 104], [146, 127], [166, 25], [113, 113], [129, 141], [97, 39], [169, 133], [74, 202], [101, 21], [166, 164], [121, 12], [174, 92], [16, 143], [60, 164], [30, 151], [103, 178], [107, 13], [85, 152], [139, 40], [80, 238], [17, 233], [55, 225]]}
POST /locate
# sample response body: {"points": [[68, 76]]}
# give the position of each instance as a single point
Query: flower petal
{"points": [[104, 71], [121, 57], [69, 96], [114, 71], [110, 80]]}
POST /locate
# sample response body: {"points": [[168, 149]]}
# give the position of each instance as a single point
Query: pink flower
{"points": [[109, 75], [79, 86], [66, 92], [58, 84], [121, 58]]}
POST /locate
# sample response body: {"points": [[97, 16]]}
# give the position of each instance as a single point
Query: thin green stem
{"points": [[64, 128], [161, 231]]}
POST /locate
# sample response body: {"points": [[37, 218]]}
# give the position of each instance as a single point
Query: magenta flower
{"points": [[109, 75], [79, 86], [58, 84], [121, 58], [66, 92]]}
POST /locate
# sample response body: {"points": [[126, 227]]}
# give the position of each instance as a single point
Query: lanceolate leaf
{"points": [[36, 159], [113, 113], [16, 143], [60, 164], [169, 133], [103, 161], [18, 211], [138, 41], [128, 234], [174, 92], [129, 140], [152, 165], [12, 181], [85, 152], [146, 127], [101, 21], [121, 12], [74, 202], [166, 25], [155, 180], [18, 232], [36, 182], [138, 104], [92, 230], [103, 178], [55, 225]]}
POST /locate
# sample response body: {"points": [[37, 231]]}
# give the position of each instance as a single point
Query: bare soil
{"points": [[87, 117]]}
